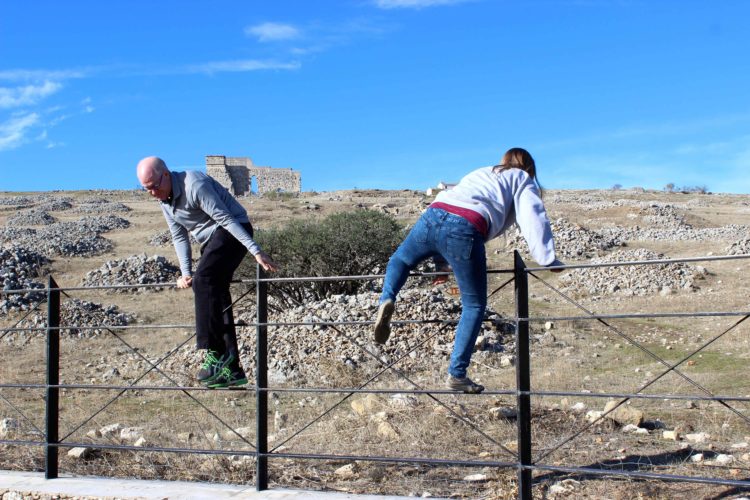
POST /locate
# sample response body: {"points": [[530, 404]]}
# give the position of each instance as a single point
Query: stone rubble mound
{"points": [[101, 223], [592, 201], [571, 241], [32, 217], [631, 279], [79, 318], [164, 238], [134, 270], [80, 238], [100, 206], [18, 268], [16, 201], [57, 204], [740, 247], [665, 223], [300, 351]]}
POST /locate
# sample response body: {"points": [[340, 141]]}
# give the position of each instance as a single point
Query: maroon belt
{"points": [[475, 218]]}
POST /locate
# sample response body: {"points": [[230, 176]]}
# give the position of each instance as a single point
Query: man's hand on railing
{"points": [[266, 262], [184, 282]]}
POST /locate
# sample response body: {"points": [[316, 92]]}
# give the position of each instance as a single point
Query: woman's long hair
{"points": [[518, 158]]}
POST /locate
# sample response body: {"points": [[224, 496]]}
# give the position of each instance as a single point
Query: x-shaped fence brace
{"points": [[633, 342]]}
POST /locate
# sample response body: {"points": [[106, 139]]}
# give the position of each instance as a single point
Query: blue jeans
{"points": [[439, 232]]}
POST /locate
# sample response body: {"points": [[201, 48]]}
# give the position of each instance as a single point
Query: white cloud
{"points": [[13, 132], [240, 65], [26, 95], [41, 74], [272, 32], [414, 4]]}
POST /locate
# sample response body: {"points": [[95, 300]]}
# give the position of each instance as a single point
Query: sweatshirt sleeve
{"points": [[181, 242], [212, 205], [532, 219]]}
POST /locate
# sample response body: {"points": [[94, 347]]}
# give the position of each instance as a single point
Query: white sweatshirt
{"points": [[502, 199]]}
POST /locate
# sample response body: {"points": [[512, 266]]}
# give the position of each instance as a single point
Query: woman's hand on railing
{"points": [[556, 263]]}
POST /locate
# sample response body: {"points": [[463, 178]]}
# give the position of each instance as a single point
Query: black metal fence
{"points": [[525, 462]]}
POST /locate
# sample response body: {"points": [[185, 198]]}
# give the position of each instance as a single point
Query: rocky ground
{"points": [[98, 239]]}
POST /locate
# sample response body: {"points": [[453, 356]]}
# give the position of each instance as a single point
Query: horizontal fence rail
{"points": [[524, 462]]}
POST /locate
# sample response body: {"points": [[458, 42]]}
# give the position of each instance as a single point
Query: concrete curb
{"points": [[26, 483]]}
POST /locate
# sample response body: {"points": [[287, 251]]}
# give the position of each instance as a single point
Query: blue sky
{"points": [[377, 93]]}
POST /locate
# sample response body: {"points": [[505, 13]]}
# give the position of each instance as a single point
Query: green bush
{"points": [[342, 244]]}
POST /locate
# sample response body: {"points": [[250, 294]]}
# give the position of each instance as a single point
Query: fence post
{"points": [[523, 378], [53, 378], [261, 380]]}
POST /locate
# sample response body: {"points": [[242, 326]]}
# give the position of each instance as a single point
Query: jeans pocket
{"points": [[459, 246], [420, 231]]}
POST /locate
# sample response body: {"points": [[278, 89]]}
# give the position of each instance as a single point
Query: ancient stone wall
{"points": [[236, 174]]}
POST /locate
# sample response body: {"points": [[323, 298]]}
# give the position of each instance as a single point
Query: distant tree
{"points": [[616, 187], [695, 189], [341, 244], [669, 188]]}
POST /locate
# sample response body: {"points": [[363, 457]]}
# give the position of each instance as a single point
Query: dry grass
{"points": [[583, 356]]}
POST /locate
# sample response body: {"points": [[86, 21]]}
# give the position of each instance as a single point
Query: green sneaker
{"points": [[228, 377], [209, 368]]}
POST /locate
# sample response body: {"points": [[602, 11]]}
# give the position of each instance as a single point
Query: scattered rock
{"points": [[110, 430], [476, 478], [723, 459], [8, 426], [131, 433], [366, 405], [624, 414], [387, 431], [671, 435], [566, 486], [347, 471], [698, 437], [81, 453]]}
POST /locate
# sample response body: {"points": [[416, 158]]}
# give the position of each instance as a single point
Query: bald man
{"points": [[194, 203]]}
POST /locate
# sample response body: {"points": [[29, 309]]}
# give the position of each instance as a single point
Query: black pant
{"points": [[214, 321]]}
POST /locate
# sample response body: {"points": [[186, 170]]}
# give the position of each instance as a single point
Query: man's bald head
{"points": [[149, 168], [153, 175]]}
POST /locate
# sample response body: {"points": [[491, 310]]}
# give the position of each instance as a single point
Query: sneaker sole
{"points": [[468, 389], [233, 383], [383, 322]]}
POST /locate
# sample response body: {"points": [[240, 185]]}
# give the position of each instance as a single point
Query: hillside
{"points": [[98, 238]]}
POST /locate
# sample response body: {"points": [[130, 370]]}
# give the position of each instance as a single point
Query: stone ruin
{"points": [[237, 174]]}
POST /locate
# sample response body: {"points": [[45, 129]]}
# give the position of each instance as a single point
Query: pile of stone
{"points": [[571, 241], [58, 204], [740, 247], [629, 280], [592, 201], [164, 238], [101, 223], [665, 223], [16, 201], [134, 270], [33, 217], [100, 206], [75, 239], [308, 350], [18, 268], [78, 318]]}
